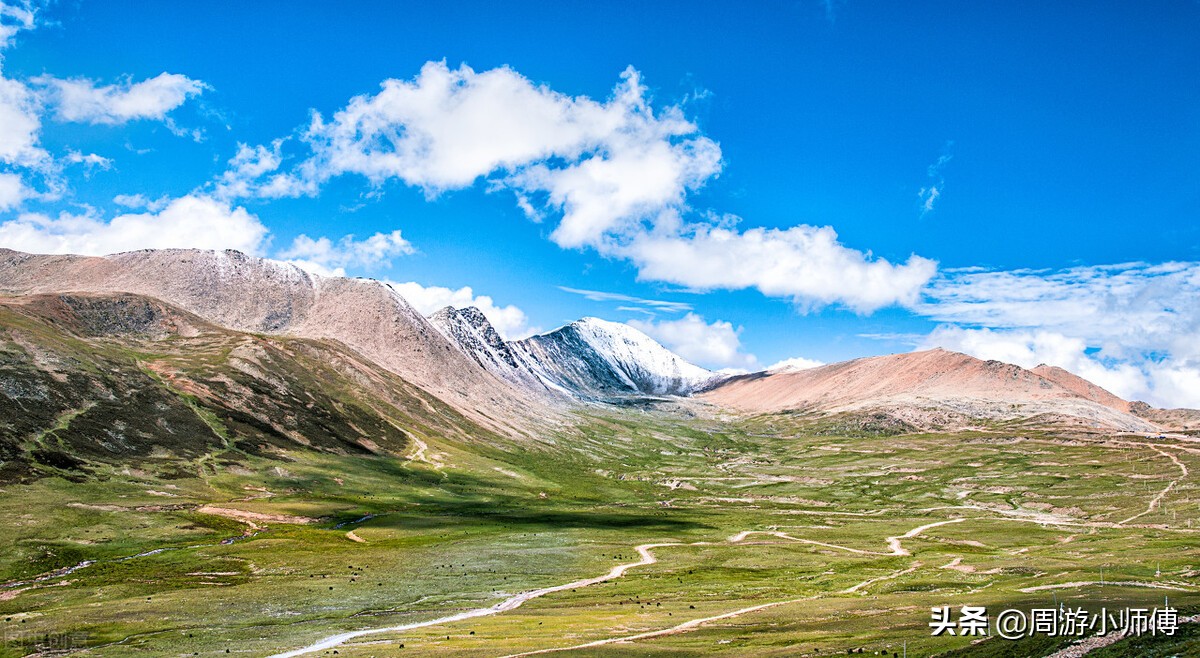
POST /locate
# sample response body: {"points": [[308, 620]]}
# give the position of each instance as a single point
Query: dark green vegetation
{"points": [[178, 463]]}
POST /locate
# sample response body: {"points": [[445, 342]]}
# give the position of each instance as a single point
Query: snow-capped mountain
{"points": [[589, 358], [593, 355]]}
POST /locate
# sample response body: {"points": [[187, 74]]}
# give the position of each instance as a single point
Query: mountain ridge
{"points": [[247, 293], [590, 358], [516, 386]]}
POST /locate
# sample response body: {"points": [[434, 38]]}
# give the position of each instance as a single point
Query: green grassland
{"points": [[448, 517]]}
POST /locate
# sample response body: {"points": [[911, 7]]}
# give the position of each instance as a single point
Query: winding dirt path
{"points": [[696, 623], [894, 542], [510, 603], [1115, 583], [894, 546], [418, 455], [1162, 494], [646, 557]]}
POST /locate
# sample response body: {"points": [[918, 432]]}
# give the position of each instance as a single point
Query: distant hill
{"points": [[934, 388]]}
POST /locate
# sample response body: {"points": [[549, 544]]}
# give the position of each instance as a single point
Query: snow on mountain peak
{"points": [[631, 349], [589, 357]]}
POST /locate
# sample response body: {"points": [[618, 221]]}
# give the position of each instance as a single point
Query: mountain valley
{"points": [[206, 453]]}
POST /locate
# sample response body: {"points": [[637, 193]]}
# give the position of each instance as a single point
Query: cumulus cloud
{"points": [[806, 263], [795, 363], [509, 321], [328, 258], [247, 171], [20, 119], [615, 174], [1129, 327], [25, 102], [12, 191], [603, 165], [82, 100], [20, 125], [715, 345], [186, 222]]}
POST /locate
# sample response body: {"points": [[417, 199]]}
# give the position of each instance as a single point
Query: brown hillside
{"points": [[933, 380], [244, 293]]}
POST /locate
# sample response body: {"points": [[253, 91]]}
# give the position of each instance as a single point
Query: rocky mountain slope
{"points": [[470, 331], [1081, 387], [244, 293], [589, 358], [89, 378], [931, 389]]}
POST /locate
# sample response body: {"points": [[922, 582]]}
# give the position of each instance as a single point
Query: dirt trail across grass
{"points": [[1113, 583], [252, 519], [894, 546], [1162, 494], [418, 455], [646, 557]]}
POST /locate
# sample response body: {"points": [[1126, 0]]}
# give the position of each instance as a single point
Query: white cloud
{"points": [[795, 363], [12, 191], [604, 165], [20, 119], [247, 170], [1130, 328], [447, 128], [509, 321], [642, 175], [141, 201], [929, 196], [82, 100], [89, 160], [20, 125], [806, 263], [313, 267], [186, 222], [23, 104], [616, 173], [937, 182], [647, 304], [326, 257], [714, 344], [14, 17], [1129, 308]]}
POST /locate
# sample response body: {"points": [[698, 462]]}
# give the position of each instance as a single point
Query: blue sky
{"points": [[1018, 181]]}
